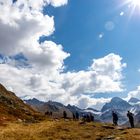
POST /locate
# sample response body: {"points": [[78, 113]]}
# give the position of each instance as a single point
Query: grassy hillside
{"points": [[13, 108], [65, 130]]}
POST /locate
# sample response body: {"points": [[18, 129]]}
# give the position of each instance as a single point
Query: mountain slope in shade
{"points": [[55, 107], [34, 101], [74, 109], [12, 108]]}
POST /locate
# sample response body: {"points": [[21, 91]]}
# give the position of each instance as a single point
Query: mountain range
{"points": [[13, 108], [58, 108], [116, 104]]}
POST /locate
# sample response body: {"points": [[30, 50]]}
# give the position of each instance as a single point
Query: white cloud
{"points": [[109, 65], [65, 87], [49, 57], [57, 3], [134, 93], [21, 25], [97, 103], [104, 75], [70, 87], [21, 28], [38, 5]]}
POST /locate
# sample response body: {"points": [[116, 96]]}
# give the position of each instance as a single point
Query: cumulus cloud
{"points": [[86, 101], [104, 75], [21, 28], [57, 3], [70, 87], [40, 72], [50, 55], [134, 93]]}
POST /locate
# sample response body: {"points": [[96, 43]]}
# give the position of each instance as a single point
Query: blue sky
{"points": [[79, 24], [80, 52]]}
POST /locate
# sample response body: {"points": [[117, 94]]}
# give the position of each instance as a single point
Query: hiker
{"points": [[64, 114], [77, 116], [50, 113], [84, 117], [115, 118], [73, 116], [87, 118], [91, 118], [131, 118], [47, 113]]}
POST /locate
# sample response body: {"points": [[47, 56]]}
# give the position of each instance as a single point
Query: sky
{"points": [[79, 52]]}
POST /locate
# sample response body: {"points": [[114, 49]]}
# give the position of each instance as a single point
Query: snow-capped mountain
{"points": [[134, 101], [118, 105]]}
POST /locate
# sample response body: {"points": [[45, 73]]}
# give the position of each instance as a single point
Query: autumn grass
{"points": [[63, 130]]}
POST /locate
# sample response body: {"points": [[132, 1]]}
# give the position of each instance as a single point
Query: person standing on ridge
{"points": [[115, 118], [64, 114], [131, 118], [77, 116]]}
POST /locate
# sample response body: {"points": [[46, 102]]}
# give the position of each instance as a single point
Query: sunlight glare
{"points": [[135, 3]]}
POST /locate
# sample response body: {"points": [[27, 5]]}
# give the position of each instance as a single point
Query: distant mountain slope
{"points": [[50, 106], [57, 109], [74, 109], [116, 104], [133, 100], [119, 106], [34, 101], [11, 107]]}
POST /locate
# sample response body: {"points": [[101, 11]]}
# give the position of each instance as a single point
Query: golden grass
{"points": [[63, 130]]}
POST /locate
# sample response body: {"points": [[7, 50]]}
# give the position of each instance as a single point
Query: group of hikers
{"points": [[49, 113], [129, 115], [74, 115], [88, 117]]}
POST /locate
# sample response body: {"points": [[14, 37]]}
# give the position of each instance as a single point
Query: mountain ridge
{"points": [[116, 104]]}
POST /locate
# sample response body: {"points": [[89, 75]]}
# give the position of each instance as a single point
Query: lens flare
{"points": [[135, 2]]}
